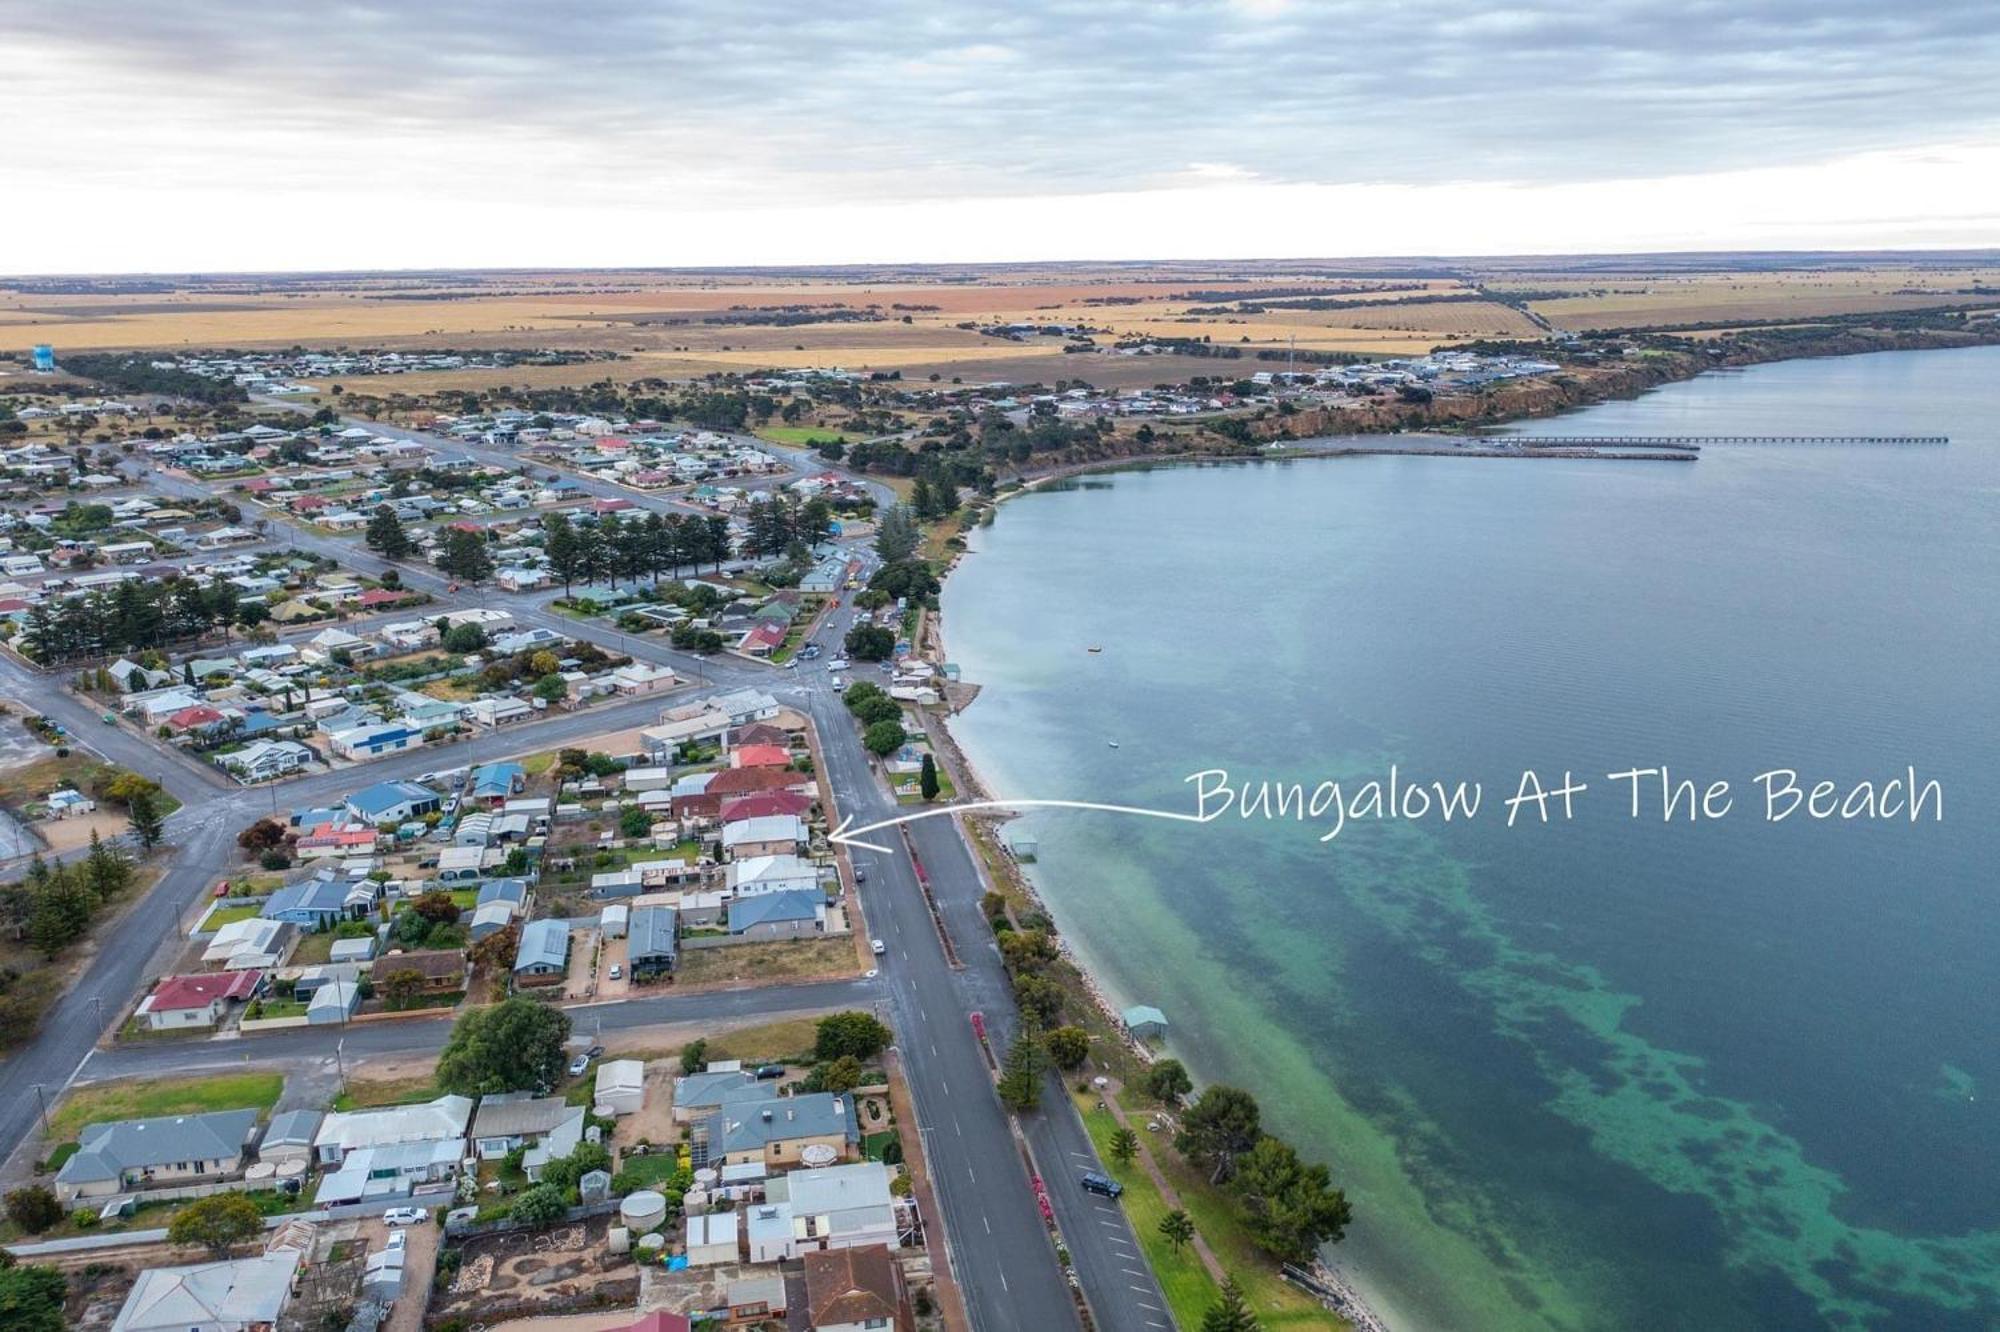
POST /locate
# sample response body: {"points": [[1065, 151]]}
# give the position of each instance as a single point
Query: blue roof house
{"points": [[498, 781], [387, 803], [544, 949], [315, 904]]}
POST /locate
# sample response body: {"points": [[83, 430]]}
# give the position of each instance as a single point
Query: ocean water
{"points": [[1602, 1072]]}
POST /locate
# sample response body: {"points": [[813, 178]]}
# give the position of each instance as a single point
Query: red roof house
{"points": [[197, 718], [766, 805], [198, 1001], [760, 756]]}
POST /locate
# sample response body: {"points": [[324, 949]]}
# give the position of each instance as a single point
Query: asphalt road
{"points": [[999, 1249]]}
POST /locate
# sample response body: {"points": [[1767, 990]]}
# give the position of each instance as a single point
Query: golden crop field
{"points": [[1626, 302]]}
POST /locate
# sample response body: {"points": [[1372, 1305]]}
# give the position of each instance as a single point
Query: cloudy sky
{"points": [[224, 134]]}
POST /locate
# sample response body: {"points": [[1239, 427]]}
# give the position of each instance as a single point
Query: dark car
{"points": [[770, 1071], [1101, 1184]]}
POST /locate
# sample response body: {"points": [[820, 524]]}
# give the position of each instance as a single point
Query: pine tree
{"points": [[60, 912], [1021, 1078], [105, 870], [1230, 1313], [464, 556], [1176, 1229], [143, 811], [386, 535], [927, 779], [563, 549]]}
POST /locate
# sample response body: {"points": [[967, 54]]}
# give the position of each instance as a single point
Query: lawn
{"points": [[1277, 1303], [280, 1008], [768, 1042], [650, 1169], [536, 764], [786, 959], [167, 1096], [362, 1093], [224, 914]]}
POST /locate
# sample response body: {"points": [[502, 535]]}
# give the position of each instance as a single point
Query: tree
{"points": [[436, 906], [148, 825], [1069, 1047], [104, 870], [463, 638], [1222, 1124], [693, 1055], [635, 822], [539, 1207], [31, 1298], [464, 556], [263, 835], [1176, 1228], [59, 912], [869, 642], [842, 1075], [551, 689], [34, 1208], [1124, 1146], [563, 549], [883, 738], [216, 1222], [1020, 1084], [895, 535], [1293, 1207], [1229, 1313], [1038, 997], [927, 779], [402, 987], [386, 535], [1167, 1081], [851, 1033], [515, 1045]]}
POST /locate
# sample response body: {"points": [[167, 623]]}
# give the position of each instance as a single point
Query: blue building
{"points": [[45, 357], [315, 904], [388, 803]]}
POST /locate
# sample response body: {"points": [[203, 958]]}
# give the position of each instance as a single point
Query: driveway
{"points": [[582, 981], [613, 955]]}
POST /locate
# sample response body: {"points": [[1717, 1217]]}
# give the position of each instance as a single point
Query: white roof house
{"points": [[442, 1120], [254, 942], [771, 874]]}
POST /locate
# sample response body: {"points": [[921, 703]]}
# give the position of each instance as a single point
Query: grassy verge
{"points": [[1189, 1289], [768, 1042], [169, 1096], [365, 1093], [806, 436], [224, 914]]}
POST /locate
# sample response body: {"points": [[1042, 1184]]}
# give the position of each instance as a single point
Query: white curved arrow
{"points": [[846, 836]]}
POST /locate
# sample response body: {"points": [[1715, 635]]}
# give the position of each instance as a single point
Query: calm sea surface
{"points": [[1604, 1073]]}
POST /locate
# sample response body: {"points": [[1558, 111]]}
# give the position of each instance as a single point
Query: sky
{"points": [[205, 135]]}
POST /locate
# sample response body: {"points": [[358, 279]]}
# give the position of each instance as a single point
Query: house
{"points": [[131, 1155], [641, 678], [771, 874], [832, 1208], [441, 970], [328, 840], [312, 904], [289, 1137], [443, 1120], [372, 741], [769, 835], [779, 1131], [181, 1002], [494, 784], [621, 1088], [764, 805], [712, 1238], [852, 1289], [69, 804], [240, 1295], [333, 1004], [254, 942], [500, 711], [789, 915], [544, 950], [652, 945], [724, 1083], [756, 1300], [513, 892], [546, 1125], [264, 760], [760, 756], [386, 804], [491, 918], [762, 640]]}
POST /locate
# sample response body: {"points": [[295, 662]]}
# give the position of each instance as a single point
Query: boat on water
{"points": [[1093, 648], [1112, 743]]}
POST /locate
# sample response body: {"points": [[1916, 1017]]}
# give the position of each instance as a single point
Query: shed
{"points": [[711, 1238], [1145, 1022], [621, 1087]]}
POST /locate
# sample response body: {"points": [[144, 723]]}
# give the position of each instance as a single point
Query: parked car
{"points": [[398, 1239], [596, 1051], [1103, 1185], [617, 971], [405, 1216], [578, 1065], [768, 1071]]}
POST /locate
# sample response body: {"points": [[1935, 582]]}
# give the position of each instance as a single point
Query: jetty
{"points": [[1695, 442]]}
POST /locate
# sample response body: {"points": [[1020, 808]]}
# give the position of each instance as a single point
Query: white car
{"points": [[617, 972], [837, 664], [879, 947], [405, 1216], [398, 1239]]}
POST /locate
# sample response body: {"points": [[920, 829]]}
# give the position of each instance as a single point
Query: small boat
{"points": [[1093, 648], [1112, 743]]}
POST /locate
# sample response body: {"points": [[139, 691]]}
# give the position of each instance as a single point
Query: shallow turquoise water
{"points": [[1606, 1073]]}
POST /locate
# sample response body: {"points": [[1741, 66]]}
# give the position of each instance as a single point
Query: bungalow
{"points": [[69, 803], [495, 783], [765, 805], [443, 1120], [408, 635], [130, 1155], [858, 1289], [771, 874], [642, 678], [787, 915], [652, 945], [253, 942], [509, 1121], [760, 756], [440, 971], [498, 712], [315, 904], [771, 835], [762, 640], [328, 840], [266, 759], [240, 1295], [180, 1002], [386, 804], [544, 950], [465, 861], [777, 1131]]}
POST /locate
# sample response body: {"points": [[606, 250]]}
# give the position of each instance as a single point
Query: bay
{"points": [[1603, 1073]]}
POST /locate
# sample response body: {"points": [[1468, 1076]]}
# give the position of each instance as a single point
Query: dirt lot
{"points": [[613, 955], [567, 1269], [769, 963], [582, 980]]}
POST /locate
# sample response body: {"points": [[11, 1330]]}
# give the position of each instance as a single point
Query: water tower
{"points": [[45, 357]]}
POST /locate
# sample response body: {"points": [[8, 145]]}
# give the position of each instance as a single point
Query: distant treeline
{"points": [[1274, 293], [138, 374], [1329, 303]]}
